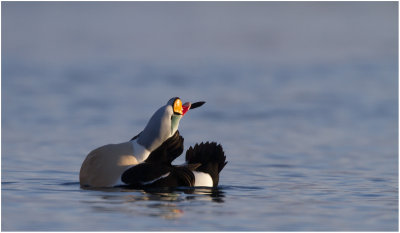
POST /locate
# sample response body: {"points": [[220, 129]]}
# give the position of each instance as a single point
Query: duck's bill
{"points": [[186, 106], [197, 104]]}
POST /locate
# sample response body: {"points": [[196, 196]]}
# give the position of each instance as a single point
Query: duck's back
{"points": [[104, 166]]}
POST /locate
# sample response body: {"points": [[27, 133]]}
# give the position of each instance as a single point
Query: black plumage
{"points": [[157, 170], [211, 157]]}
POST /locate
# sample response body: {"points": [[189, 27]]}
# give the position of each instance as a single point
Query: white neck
{"points": [[140, 152]]}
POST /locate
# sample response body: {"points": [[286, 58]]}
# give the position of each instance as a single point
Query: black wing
{"points": [[178, 177], [168, 151], [157, 175], [144, 173]]}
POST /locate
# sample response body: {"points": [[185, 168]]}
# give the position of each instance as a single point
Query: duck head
{"points": [[164, 123]]}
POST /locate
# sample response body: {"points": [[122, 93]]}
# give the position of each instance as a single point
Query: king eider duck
{"points": [[146, 159]]}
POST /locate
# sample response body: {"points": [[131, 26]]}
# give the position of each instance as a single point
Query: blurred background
{"points": [[302, 96]]}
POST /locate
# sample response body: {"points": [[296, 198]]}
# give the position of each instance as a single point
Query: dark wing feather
{"points": [[179, 177], [162, 176], [168, 151], [143, 173]]}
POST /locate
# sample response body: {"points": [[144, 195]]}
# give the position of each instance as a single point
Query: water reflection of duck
{"points": [[177, 194], [145, 160], [167, 203]]}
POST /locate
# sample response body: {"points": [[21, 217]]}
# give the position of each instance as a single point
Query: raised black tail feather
{"points": [[203, 153], [211, 157]]}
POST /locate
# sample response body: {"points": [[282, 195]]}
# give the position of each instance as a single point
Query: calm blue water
{"points": [[302, 96]]}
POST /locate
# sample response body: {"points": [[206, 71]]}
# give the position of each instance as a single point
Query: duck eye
{"points": [[178, 106]]}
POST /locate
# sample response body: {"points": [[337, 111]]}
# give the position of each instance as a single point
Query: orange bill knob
{"points": [[178, 106]]}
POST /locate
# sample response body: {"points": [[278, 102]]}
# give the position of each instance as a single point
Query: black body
{"points": [[157, 170]]}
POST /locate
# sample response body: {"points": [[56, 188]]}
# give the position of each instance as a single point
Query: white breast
{"points": [[202, 179]]}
